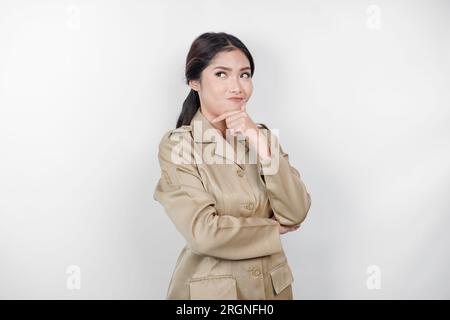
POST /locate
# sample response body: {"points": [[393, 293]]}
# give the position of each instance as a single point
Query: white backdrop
{"points": [[357, 89]]}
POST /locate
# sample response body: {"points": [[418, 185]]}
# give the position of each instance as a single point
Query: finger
{"points": [[236, 116], [235, 131], [224, 115], [235, 123], [230, 132]]}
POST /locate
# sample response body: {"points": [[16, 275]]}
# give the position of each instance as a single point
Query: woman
{"points": [[230, 210]]}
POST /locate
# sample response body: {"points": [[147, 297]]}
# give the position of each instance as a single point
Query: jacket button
{"points": [[256, 272], [249, 206], [240, 172]]}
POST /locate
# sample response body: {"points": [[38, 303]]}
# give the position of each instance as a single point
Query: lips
{"points": [[236, 99]]}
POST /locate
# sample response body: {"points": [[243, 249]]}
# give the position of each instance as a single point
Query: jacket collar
{"points": [[205, 133]]}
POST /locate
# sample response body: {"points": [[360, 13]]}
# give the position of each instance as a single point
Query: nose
{"points": [[235, 87]]}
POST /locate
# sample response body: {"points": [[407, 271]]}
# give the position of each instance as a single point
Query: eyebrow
{"points": [[226, 68]]}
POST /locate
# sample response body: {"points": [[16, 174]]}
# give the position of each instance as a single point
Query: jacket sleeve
{"points": [[192, 210], [288, 196]]}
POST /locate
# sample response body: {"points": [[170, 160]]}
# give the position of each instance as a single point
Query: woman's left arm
{"points": [[288, 196]]}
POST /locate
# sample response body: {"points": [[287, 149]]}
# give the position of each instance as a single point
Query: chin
{"points": [[233, 106]]}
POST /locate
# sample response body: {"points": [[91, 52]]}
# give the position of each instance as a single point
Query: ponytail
{"points": [[190, 107]]}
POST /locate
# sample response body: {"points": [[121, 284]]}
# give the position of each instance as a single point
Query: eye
{"points": [[220, 73], [245, 73]]}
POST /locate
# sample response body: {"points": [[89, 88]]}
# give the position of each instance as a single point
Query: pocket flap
{"points": [[281, 277], [213, 288]]}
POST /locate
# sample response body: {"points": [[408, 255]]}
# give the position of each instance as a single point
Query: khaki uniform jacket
{"points": [[223, 210]]}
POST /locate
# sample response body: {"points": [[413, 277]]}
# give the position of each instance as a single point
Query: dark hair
{"points": [[202, 51]]}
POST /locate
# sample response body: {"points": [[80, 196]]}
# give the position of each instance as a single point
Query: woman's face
{"points": [[228, 75]]}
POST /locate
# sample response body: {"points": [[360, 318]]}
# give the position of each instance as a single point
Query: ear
{"points": [[194, 84]]}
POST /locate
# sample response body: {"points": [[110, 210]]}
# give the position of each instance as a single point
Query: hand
{"points": [[237, 121], [285, 229]]}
